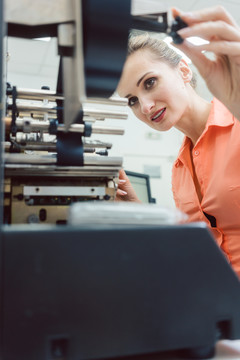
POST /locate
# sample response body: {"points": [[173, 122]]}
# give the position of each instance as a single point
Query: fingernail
{"points": [[184, 32], [122, 181], [188, 14], [122, 192]]}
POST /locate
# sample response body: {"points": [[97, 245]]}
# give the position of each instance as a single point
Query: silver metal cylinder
{"points": [[97, 114], [35, 126]]}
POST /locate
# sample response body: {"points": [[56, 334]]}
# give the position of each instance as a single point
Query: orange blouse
{"points": [[216, 158]]}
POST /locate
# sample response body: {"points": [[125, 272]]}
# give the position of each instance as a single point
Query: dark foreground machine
{"points": [[103, 292]]}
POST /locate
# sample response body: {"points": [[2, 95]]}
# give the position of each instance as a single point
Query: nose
{"points": [[146, 105]]}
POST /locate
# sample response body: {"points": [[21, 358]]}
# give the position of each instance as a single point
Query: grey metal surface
{"points": [[35, 94], [59, 171], [28, 126], [59, 11], [63, 190], [38, 12], [51, 109], [51, 159]]}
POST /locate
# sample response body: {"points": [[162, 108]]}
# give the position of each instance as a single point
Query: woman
{"points": [[205, 178]]}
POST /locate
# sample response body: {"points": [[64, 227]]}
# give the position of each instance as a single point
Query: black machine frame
{"points": [[109, 292]]}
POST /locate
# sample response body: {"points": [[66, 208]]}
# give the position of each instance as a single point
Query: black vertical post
{"points": [[2, 106], [2, 137]]}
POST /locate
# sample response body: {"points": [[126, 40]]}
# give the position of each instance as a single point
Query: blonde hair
{"points": [[159, 48]]}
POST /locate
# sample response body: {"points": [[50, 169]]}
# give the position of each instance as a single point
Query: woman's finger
{"points": [[121, 192], [222, 47], [122, 175], [211, 29], [122, 181], [208, 14]]}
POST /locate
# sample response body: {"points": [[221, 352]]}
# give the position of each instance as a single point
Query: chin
{"points": [[163, 127]]}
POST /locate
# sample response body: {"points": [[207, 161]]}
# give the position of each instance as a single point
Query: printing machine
{"points": [[98, 291], [50, 159]]}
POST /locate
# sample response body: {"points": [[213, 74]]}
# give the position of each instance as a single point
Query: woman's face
{"points": [[157, 93]]}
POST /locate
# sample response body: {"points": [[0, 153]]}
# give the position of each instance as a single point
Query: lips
{"points": [[158, 116]]}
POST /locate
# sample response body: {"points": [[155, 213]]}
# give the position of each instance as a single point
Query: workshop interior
{"points": [[82, 276]]}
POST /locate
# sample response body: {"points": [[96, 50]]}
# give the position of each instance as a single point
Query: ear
{"points": [[185, 71]]}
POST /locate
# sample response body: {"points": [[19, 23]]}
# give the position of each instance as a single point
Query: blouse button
{"points": [[196, 152]]}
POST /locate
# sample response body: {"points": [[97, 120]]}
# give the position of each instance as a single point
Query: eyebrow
{"points": [[139, 82]]}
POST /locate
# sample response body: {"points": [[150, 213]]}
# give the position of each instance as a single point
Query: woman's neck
{"points": [[194, 120]]}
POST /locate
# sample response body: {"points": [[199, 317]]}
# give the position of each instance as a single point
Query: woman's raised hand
{"points": [[222, 74]]}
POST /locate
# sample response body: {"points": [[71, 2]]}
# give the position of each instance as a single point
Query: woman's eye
{"points": [[149, 83], [132, 101]]}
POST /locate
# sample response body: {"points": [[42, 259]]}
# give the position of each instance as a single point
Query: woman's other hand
{"points": [[125, 191], [222, 75]]}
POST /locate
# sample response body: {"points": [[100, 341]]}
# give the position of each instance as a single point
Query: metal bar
{"points": [[102, 114], [45, 147], [63, 190], [34, 108], [30, 12], [141, 7], [95, 160], [59, 171], [35, 94], [95, 129], [95, 113], [96, 144], [106, 130], [32, 94], [102, 160], [111, 101], [51, 146], [36, 126]]}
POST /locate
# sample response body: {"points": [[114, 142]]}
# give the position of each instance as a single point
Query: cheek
{"points": [[140, 116], [137, 112], [178, 94]]}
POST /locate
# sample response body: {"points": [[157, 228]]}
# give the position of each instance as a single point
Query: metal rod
{"points": [[111, 101], [95, 129], [95, 113], [34, 108], [39, 191], [44, 147], [59, 171], [91, 160], [32, 94], [28, 126], [102, 114]]}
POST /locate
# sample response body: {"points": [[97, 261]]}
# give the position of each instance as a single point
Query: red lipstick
{"points": [[159, 115]]}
